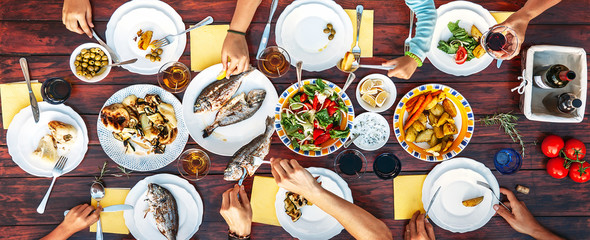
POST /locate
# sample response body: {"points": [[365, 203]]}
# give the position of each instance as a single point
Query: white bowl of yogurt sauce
{"points": [[374, 131]]}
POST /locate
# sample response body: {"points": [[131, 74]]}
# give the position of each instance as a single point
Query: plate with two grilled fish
{"points": [[166, 207], [310, 222], [224, 115]]}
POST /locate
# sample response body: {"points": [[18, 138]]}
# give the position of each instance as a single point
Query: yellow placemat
{"points": [[264, 191], [112, 222], [366, 36], [407, 196], [500, 16], [206, 43], [15, 97]]}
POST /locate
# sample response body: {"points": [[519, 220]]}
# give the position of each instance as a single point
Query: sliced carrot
{"points": [[418, 104], [436, 93], [419, 111]]}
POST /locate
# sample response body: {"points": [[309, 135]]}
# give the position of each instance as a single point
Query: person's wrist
{"points": [[314, 193], [242, 231], [65, 230]]}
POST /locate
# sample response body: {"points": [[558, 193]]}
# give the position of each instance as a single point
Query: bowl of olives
{"points": [[89, 62]]}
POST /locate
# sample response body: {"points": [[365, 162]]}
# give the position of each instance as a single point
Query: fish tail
{"points": [[209, 130]]}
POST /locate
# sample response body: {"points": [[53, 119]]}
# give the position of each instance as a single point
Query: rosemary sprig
{"points": [[103, 171], [507, 122]]}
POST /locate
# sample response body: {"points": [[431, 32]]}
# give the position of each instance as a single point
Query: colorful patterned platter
{"points": [[331, 145], [464, 122]]}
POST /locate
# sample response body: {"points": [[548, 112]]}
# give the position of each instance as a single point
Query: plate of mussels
{"points": [[164, 207], [301, 218], [222, 115], [140, 127]]}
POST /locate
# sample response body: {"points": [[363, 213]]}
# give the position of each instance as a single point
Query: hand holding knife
{"points": [[266, 33], [25, 67]]}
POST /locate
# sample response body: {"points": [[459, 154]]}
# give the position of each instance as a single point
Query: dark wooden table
{"points": [[33, 29]]}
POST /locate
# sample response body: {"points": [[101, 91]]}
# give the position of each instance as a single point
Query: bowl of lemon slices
{"points": [[376, 93]]}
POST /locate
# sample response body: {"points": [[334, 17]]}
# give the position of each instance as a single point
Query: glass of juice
{"points": [[274, 62], [174, 77], [387, 166], [350, 164], [507, 161], [56, 90], [500, 42], [193, 164]]}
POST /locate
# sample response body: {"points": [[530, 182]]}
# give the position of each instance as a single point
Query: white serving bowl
{"points": [[388, 86], [78, 50]]}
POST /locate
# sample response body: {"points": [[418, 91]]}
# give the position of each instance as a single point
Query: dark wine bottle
{"points": [[554, 76], [562, 103]]}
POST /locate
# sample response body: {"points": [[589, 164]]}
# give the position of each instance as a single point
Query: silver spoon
{"points": [[299, 66], [350, 140], [97, 193]]}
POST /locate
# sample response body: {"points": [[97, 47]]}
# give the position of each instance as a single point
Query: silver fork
{"points": [[407, 42], [168, 39], [483, 184], [56, 172], [356, 50]]}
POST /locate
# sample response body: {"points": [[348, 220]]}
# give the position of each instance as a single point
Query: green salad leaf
{"points": [[460, 38], [339, 134], [310, 147], [323, 118]]}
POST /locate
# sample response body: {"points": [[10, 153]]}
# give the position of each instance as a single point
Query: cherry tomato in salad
{"points": [[332, 104], [578, 175], [315, 102], [556, 169], [309, 106], [332, 110], [551, 146], [329, 127], [574, 149], [322, 139], [327, 103], [317, 133], [303, 98], [461, 55]]}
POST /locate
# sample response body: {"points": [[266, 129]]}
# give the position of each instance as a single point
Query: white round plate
{"points": [[457, 178], [469, 14], [388, 86], [78, 50], [115, 149], [314, 223], [227, 140], [362, 118], [23, 137], [188, 204], [153, 15], [299, 30]]}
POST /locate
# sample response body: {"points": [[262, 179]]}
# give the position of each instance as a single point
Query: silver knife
{"points": [[102, 43], [25, 67], [431, 201], [112, 208], [266, 33]]}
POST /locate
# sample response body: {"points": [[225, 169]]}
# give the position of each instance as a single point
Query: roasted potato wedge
{"points": [[433, 140], [418, 126], [473, 202], [442, 96], [449, 129], [437, 110], [444, 118], [438, 132], [422, 118], [431, 104], [449, 107], [432, 119], [434, 150], [446, 145], [411, 134], [424, 136]]}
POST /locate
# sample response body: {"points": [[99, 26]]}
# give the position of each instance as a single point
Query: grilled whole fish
{"points": [[238, 109], [218, 93], [163, 205], [258, 147]]}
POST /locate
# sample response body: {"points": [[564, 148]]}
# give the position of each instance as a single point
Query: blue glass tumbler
{"points": [[507, 161]]}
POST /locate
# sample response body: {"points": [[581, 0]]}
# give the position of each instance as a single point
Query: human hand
{"points": [[404, 67], [237, 212], [520, 218], [519, 23], [80, 217], [235, 48], [419, 228], [291, 176], [77, 16]]}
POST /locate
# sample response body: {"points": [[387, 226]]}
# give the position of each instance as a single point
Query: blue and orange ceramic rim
{"points": [[465, 133], [331, 145]]}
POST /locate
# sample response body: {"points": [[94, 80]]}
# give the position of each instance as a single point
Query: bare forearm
{"points": [[544, 234], [533, 8], [358, 222], [59, 233], [243, 14]]}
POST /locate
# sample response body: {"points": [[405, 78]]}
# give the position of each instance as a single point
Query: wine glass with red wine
{"points": [[500, 42]]}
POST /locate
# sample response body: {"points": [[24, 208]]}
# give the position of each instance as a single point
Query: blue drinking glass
{"points": [[507, 161]]}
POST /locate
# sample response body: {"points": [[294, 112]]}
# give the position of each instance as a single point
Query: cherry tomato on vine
{"points": [[551, 146], [574, 149], [556, 169], [575, 174]]}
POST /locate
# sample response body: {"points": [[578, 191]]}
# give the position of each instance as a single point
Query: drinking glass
{"points": [[507, 161], [55, 90], [500, 42], [193, 164], [350, 164], [174, 77], [274, 62], [387, 166]]}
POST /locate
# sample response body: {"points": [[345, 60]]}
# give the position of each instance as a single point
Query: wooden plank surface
{"points": [[34, 29]]}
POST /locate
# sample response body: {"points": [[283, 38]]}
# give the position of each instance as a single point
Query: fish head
{"points": [[233, 172], [256, 95], [201, 106]]}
